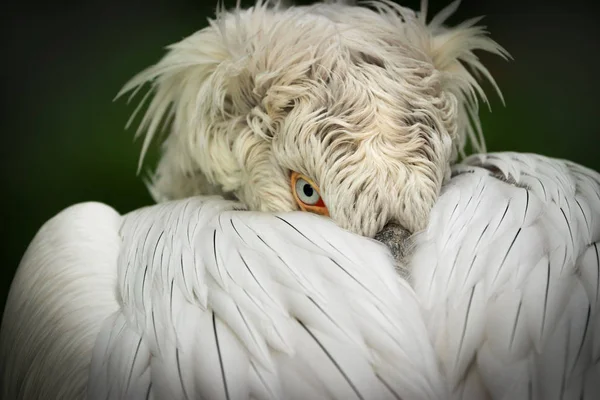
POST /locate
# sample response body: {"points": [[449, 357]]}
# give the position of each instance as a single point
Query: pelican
{"points": [[315, 234]]}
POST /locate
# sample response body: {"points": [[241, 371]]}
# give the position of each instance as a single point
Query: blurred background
{"points": [[63, 137]]}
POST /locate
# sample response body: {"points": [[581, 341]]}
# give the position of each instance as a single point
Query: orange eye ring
{"points": [[307, 194]]}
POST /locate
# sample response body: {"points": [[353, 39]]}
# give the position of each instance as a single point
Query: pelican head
{"points": [[355, 112]]}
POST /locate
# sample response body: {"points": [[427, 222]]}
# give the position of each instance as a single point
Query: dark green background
{"points": [[64, 140]]}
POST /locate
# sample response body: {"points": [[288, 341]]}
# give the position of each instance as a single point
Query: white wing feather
{"points": [[195, 299], [509, 273], [60, 297]]}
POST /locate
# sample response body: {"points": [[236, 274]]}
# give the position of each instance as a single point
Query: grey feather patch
{"points": [[398, 240]]}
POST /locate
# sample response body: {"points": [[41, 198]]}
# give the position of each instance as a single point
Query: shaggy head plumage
{"points": [[372, 103]]}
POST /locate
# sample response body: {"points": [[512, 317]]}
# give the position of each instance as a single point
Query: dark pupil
{"points": [[308, 190]]}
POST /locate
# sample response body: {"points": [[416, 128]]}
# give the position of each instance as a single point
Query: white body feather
{"points": [[508, 272], [195, 299]]}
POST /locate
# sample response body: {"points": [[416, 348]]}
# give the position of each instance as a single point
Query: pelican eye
{"points": [[307, 194]]}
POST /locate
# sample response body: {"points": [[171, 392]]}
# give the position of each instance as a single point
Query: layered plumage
{"points": [[509, 275], [204, 301], [196, 298]]}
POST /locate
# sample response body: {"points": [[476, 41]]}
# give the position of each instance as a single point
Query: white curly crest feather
{"points": [[338, 92]]}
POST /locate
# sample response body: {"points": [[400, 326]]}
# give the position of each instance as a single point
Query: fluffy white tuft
{"points": [[372, 102]]}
